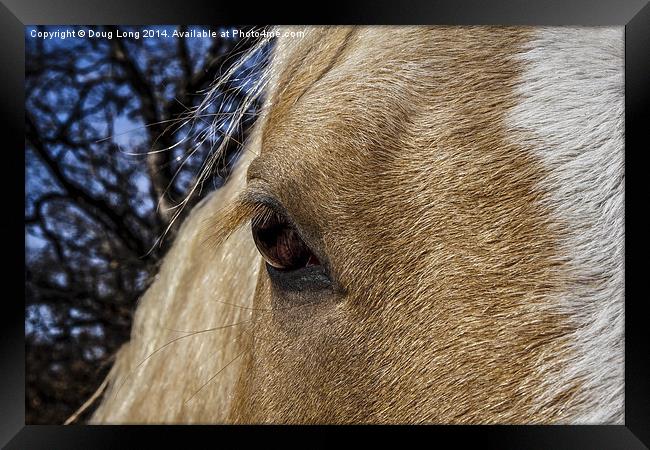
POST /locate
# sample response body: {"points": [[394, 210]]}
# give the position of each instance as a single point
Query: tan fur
{"points": [[393, 155]]}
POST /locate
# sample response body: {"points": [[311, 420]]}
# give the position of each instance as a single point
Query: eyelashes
{"points": [[275, 235]]}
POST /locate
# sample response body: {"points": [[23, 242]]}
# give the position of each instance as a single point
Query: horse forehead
{"points": [[359, 93], [340, 102]]}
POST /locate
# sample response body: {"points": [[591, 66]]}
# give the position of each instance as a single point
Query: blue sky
{"points": [[128, 134]]}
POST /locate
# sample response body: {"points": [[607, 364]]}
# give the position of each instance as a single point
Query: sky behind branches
{"points": [[110, 150]]}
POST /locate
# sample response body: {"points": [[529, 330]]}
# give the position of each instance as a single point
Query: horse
{"points": [[426, 226]]}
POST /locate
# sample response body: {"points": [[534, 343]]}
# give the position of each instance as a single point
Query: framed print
{"points": [[416, 218]]}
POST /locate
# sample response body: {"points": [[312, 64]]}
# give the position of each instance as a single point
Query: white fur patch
{"points": [[572, 113]]}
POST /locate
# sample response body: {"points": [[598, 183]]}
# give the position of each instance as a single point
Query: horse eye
{"points": [[280, 244]]}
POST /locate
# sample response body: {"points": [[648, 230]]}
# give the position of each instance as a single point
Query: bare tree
{"points": [[108, 162]]}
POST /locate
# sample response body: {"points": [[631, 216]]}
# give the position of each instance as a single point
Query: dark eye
{"points": [[280, 243]]}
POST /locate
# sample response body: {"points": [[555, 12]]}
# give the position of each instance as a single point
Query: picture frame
{"points": [[633, 14]]}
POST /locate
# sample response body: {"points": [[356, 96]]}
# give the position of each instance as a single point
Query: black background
{"points": [[15, 14]]}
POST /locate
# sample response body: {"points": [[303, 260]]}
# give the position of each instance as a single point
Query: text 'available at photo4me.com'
{"points": [[160, 32]]}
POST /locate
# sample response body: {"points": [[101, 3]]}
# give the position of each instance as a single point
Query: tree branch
{"points": [[108, 216]]}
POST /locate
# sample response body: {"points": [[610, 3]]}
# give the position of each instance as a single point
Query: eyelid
{"points": [[258, 192]]}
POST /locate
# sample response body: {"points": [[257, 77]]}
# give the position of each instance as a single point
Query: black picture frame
{"points": [[16, 14]]}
